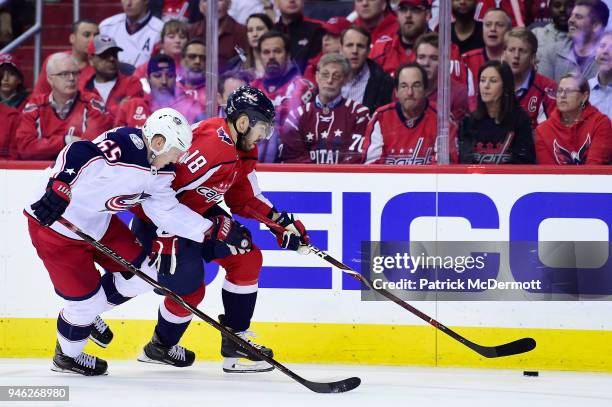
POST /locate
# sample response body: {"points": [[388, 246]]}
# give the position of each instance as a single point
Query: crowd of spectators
{"points": [[531, 82]]}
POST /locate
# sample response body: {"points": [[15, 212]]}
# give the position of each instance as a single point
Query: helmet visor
{"points": [[263, 128]]}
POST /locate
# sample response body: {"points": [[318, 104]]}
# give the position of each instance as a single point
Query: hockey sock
{"points": [[110, 289], [170, 328], [239, 309]]}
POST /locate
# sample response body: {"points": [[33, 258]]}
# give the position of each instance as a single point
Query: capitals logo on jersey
{"points": [[565, 156], [124, 202]]}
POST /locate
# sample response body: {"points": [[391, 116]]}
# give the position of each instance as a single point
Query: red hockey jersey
{"points": [[588, 141], [387, 27], [215, 169], [539, 100], [134, 112], [514, 8], [332, 134], [392, 139], [41, 133], [471, 62]]}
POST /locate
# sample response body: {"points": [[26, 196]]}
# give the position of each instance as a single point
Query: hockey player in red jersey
{"points": [[534, 92], [331, 129], [404, 132], [89, 183], [576, 133], [220, 164]]}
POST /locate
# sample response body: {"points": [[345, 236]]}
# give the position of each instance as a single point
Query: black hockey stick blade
{"points": [[325, 387], [508, 349], [341, 386]]}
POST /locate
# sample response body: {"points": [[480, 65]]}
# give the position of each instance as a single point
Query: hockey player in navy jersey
{"points": [[220, 165], [88, 184]]}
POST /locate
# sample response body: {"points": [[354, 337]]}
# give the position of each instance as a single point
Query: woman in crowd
{"points": [[576, 132], [498, 131], [13, 93], [249, 60], [174, 36]]}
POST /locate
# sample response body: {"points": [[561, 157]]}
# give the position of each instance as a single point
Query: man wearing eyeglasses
{"points": [[405, 132], [192, 80], [55, 119], [331, 129], [161, 74], [103, 78]]}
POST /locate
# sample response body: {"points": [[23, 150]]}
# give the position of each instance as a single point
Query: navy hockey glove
{"points": [[163, 254], [53, 203], [294, 237], [225, 237]]}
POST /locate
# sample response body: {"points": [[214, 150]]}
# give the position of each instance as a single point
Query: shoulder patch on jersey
{"points": [[96, 104], [137, 141], [383, 38], [30, 107]]}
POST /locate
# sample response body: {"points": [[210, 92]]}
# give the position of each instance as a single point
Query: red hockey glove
{"points": [[226, 237], [163, 254], [295, 237], [53, 203]]}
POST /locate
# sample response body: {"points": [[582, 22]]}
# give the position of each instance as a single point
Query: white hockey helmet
{"points": [[172, 125]]}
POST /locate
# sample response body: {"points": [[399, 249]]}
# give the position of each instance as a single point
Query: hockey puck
{"points": [[531, 373]]}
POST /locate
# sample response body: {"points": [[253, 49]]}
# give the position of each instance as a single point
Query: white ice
{"points": [[134, 384]]}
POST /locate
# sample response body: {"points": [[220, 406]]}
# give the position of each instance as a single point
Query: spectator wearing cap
{"points": [[83, 32], [249, 59], [304, 33], [466, 32], [367, 83], [13, 92], [555, 31], [376, 18], [330, 43], [391, 52], [161, 74], [136, 31], [10, 120], [103, 77], [52, 120], [577, 53], [601, 84], [231, 33]]}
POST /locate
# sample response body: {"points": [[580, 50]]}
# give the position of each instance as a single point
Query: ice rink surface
{"points": [[133, 384]]}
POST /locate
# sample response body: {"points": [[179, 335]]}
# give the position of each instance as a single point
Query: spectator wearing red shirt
{"points": [[52, 120], [427, 52], [534, 92], [576, 133], [10, 120], [83, 32], [193, 81], [514, 8], [162, 78], [330, 129], [330, 43], [404, 132], [282, 84], [496, 24], [375, 16], [392, 51], [103, 77], [13, 92]]}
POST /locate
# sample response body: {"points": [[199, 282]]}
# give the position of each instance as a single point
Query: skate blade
{"points": [[97, 342], [144, 358], [237, 365], [58, 369]]}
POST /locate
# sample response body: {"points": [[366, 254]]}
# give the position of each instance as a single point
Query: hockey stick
{"points": [[318, 387], [512, 348]]}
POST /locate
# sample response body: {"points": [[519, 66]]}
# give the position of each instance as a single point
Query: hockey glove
{"points": [[53, 203], [163, 254], [225, 237], [294, 236]]}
